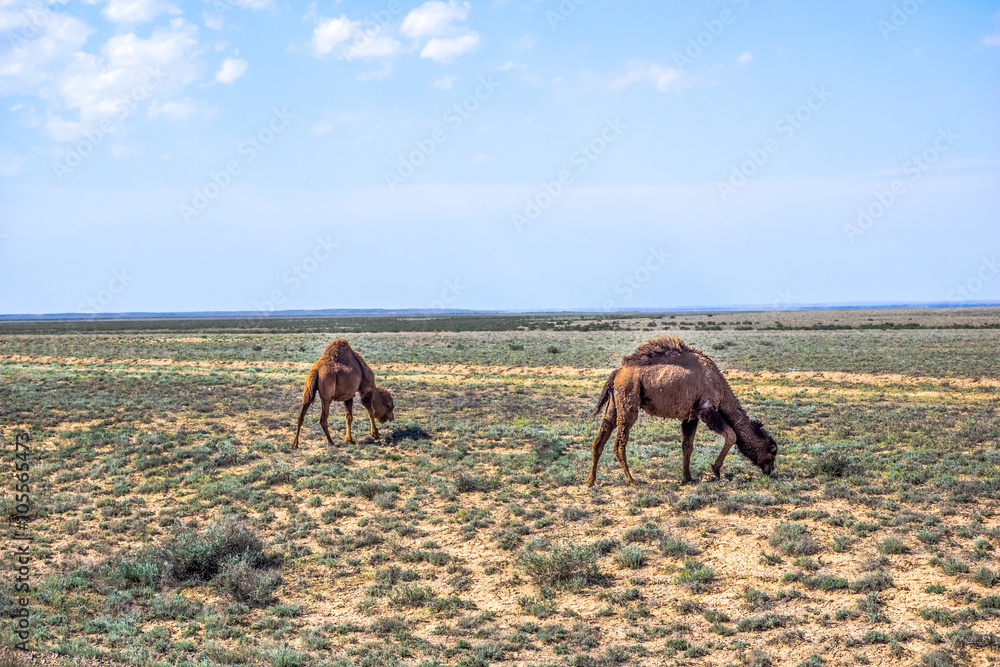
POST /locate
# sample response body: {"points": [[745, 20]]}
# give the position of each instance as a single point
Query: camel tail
{"points": [[312, 385], [606, 392]]}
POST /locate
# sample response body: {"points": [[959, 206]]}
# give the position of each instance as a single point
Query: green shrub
{"points": [[760, 623], [874, 582], [985, 577], [892, 545], [245, 583], [793, 539], [631, 557], [939, 616], [695, 576], [568, 566], [201, 555]]}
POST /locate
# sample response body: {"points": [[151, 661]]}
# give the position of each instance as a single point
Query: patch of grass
{"points": [[939, 616], [825, 582], [670, 546], [892, 546], [631, 557], [872, 583], [760, 623], [695, 576], [793, 539], [985, 577], [567, 566]]}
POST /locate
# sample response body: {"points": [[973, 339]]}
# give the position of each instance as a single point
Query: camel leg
{"points": [[626, 418], [302, 415], [688, 429], [323, 417], [607, 426], [371, 418], [349, 418], [714, 420]]}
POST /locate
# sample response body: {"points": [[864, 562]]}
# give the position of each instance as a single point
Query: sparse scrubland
{"points": [[173, 523]]}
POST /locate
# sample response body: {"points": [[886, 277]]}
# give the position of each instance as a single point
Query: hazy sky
{"points": [[260, 154]]}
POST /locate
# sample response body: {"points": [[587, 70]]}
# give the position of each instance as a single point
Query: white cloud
{"points": [[660, 77], [445, 82], [433, 19], [350, 41], [510, 64], [378, 46], [231, 69], [442, 50], [126, 73], [745, 57], [30, 65], [173, 110], [97, 85], [330, 33], [137, 11], [992, 40]]}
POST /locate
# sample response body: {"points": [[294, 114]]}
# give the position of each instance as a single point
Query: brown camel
{"points": [[666, 378], [337, 376]]}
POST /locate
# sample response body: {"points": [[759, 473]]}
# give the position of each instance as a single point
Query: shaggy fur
{"points": [[666, 378], [338, 375]]}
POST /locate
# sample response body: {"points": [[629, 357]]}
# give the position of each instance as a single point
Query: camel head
{"points": [[382, 405], [759, 448]]}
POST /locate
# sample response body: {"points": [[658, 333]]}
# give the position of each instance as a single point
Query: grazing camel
{"points": [[337, 376], [666, 378]]}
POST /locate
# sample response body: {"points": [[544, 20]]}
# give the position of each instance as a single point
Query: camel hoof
{"points": [[717, 471], [636, 482], [349, 441]]}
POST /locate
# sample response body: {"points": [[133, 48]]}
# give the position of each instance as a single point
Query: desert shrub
{"points": [[143, 570], [985, 577], [573, 514], [646, 499], [825, 582], [695, 576], [989, 602], [647, 532], [176, 607], [539, 607], [939, 616], [955, 566], [832, 464], [760, 623], [892, 545], [936, 659], [871, 607], [872, 583], [568, 566], [676, 547], [201, 555], [245, 583], [631, 557], [793, 539], [469, 483]]}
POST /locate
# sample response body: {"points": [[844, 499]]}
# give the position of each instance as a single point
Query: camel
{"points": [[339, 374], [668, 379]]}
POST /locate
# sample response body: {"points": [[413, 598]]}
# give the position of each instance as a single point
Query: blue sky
{"points": [[161, 155]]}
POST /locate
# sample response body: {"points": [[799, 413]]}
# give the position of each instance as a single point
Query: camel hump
{"points": [[657, 351], [338, 350]]}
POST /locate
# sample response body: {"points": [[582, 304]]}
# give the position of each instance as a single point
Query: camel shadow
{"points": [[407, 432]]}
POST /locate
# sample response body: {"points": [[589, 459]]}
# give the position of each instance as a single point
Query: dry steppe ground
{"points": [[173, 524]]}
